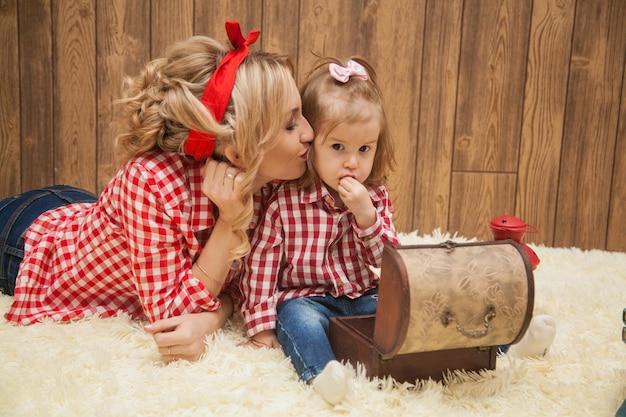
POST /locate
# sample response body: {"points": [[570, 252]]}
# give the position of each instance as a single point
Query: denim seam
{"points": [[308, 371]]}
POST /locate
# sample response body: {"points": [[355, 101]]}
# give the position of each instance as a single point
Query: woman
{"points": [[205, 132]]}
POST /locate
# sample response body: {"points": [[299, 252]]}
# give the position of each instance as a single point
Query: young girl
{"points": [[160, 240], [312, 255]]}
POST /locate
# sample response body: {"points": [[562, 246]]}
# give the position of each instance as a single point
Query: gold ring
{"points": [[229, 175]]}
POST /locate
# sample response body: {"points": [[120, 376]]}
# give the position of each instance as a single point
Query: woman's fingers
{"points": [[174, 341], [220, 177]]}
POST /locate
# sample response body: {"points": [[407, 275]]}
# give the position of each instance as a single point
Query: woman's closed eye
{"points": [[292, 125]]}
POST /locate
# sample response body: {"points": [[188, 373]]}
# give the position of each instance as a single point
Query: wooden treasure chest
{"points": [[440, 308]]}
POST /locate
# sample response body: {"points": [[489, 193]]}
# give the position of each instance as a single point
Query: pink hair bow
{"points": [[343, 74]]}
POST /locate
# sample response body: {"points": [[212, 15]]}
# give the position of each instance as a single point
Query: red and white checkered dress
{"points": [[131, 251], [305, 247]]}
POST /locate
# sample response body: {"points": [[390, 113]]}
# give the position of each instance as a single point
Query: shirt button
{"points": [[340, 284]]}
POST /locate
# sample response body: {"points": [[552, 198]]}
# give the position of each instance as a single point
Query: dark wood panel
{"points": [[211, 16], [433, 176], [123, 46], [476, 199], [547, 71], [9, 101], [616, 238], [74, 46], [279, 32], [395, 48], [36, 94], [491, 85], [599, 44], [171, 21], [531, 102], [326, 32]]}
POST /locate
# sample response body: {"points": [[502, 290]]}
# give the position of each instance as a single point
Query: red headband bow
{"points": [[219, 88]]}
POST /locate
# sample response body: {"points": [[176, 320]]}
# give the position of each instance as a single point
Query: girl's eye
{"points": [[364, 148], [337, 146]]}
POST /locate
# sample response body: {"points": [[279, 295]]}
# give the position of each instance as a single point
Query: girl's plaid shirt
{"points": [[305, 246]]}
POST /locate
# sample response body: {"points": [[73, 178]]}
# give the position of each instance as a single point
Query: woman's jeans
{"points": [[302, 328], [17, 213]]}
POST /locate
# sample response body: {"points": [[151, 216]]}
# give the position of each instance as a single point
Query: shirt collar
{"points": [[317, 192], [260, 199]]}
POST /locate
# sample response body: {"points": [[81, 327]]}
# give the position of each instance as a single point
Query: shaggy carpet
{"points": [[110, 367]]}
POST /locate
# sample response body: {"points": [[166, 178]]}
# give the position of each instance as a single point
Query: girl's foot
{"points": [[332, 383], [538, 338]]}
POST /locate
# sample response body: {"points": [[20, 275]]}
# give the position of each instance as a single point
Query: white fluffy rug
{"points": [[110, 367]]}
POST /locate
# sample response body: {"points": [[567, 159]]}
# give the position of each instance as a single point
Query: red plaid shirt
{"points": [[131, 251], [305, 247]]}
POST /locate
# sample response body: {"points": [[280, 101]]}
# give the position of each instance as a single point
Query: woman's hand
{"points": [[183, 337], [222, 185]]}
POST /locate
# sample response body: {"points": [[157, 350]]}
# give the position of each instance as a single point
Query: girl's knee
{"points": [[300, 314], [295, 307]]}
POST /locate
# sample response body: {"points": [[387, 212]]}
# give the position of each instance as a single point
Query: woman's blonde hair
{"points": [[326, 103], [163, 103]]}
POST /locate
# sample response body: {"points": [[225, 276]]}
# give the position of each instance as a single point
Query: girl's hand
{"points": [[183, 337], [356, 197], [266, 338], [222, 185]]}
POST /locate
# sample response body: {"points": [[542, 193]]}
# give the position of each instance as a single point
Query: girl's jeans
{"points": [[302, 328], [17, 213]]}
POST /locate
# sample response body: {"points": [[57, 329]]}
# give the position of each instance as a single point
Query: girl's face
{"points": [[286, 160], [347, 151]]}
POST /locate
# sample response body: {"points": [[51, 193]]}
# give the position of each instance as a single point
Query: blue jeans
{"points": [[302, 328], [17, 213]]}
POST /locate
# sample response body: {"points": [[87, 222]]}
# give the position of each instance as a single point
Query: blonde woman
{"points": [[206, 131]]}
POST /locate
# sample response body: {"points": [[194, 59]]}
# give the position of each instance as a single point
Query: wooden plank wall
{"points": [[497, 106]]}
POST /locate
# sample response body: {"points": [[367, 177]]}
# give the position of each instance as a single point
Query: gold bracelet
{"points": [[216, 282]]}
